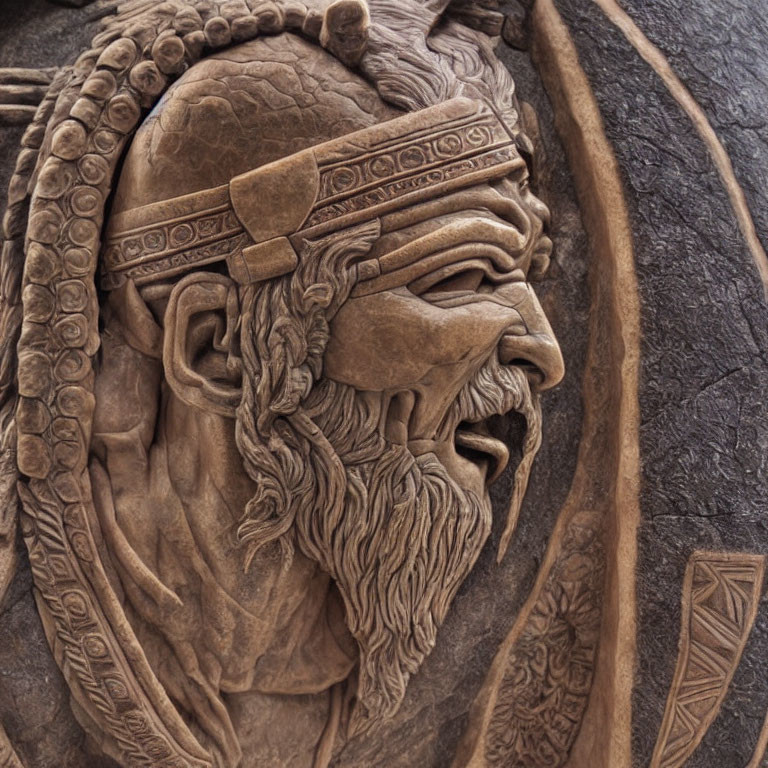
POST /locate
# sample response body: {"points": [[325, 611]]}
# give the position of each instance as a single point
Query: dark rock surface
{"points": [[704, 380]]}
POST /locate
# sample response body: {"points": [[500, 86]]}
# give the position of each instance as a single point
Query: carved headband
{"points": [[255, 221]]}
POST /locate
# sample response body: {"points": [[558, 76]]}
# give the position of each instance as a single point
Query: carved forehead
{"points": [[238, 110]]}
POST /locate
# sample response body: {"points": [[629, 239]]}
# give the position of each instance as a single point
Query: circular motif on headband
{"points": [[478, 135], [448, 145], [343, 179], [182, 234], [382, 166], [154, 240], [411, 157]]}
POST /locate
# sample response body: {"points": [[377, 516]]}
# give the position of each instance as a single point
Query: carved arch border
{"points": [[56, 207], [587, 579]]}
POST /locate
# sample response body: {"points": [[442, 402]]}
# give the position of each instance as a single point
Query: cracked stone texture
{"points": [[704, 379], [433, 716]]}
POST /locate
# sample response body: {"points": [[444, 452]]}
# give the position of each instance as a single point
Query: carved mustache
{"points": [[496, 390]]}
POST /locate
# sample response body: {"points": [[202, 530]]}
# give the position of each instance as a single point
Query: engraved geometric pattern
{"points": [[720, 597], [549, 670]]}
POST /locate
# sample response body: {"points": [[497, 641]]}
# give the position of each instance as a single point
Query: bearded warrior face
{"points": [[348, 285], [376, 315]]}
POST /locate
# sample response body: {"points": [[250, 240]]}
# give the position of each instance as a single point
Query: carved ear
{"points": [[201, 364]]}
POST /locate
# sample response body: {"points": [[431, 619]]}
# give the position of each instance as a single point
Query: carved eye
{"points": [[463, 280], [472, 276]]}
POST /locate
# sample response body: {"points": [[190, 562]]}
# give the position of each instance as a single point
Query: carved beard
{"points": [[396, 532], [408, 535], [406, 540]]}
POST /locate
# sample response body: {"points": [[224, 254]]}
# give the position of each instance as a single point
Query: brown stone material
{"points": [[273, 477], [293, 469], [721, 592]]}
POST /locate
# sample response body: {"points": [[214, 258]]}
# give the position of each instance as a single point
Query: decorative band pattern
{"points": [[413, 156], [433, 178]]}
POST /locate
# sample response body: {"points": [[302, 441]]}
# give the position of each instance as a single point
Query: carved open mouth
{"points": [[476, 443]]}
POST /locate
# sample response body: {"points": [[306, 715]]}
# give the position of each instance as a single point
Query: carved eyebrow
{"points": [[508, 238], [502, 243], [484, 197], [488, 253]]}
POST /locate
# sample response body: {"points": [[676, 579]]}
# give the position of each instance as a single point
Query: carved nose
{"points": [[537, 351]]}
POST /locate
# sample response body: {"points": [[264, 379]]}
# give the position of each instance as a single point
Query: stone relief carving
{"points": [[721, 592], [228, 223], [21, 91], [261, 461], [545, 686]]}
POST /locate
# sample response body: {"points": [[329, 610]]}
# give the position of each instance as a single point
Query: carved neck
{"points": [[169, 489]]}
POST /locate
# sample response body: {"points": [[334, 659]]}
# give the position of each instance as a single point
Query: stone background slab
{"points": [[704, 385], [704, 379]]}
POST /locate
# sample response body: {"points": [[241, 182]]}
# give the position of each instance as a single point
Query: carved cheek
{"points": [[393, 340]]}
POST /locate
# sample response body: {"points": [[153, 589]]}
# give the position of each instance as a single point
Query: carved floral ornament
{"points": [[268, 470]]}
